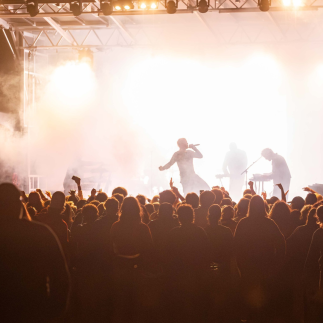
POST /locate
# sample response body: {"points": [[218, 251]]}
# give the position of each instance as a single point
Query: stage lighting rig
{"points": [[76, 7], [32, 8], [203, 6], [123, 5], [106, 7], [264, 5], [144, 5], [171, 6]]}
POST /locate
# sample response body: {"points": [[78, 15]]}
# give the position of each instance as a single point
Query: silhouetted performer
{"points": [[280, 171], [235, 162], [191, 182], [34, 276]]}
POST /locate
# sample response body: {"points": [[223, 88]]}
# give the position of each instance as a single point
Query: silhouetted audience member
{"points": [[310, 199], [35, 201], [242, 209], [227, 215], [161, 227], [218, 196], [119, 197], [133, 246], [34, 276], [193, 200], [120, 190], [188, 259], [260, 250], [54, 219], [297, 203], [206, 200], [221, 238], [280, 213]]}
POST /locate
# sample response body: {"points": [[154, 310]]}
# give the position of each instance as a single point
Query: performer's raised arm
{"points": [[169, 164], [197, 153]]}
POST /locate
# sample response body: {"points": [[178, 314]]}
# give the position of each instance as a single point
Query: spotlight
{"points": [[76, 7], [106, 8], [203, 6], [264, 5], [123, 5], [32, 8], [171, 7], [148, 4]]}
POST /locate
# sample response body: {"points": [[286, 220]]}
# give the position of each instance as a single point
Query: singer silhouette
{"points": [[190, 181]]}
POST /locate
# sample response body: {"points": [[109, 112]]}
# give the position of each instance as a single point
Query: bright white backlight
{"points": [[143, 6], [287, 3], [117, 7], [153, 5], [127, 7], [73, 83], [298, 3]]}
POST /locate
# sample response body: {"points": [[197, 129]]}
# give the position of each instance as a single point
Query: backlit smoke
{"points": [[130, 110]]}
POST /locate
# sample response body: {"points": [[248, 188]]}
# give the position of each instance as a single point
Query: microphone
{"points": [[196, 145]]}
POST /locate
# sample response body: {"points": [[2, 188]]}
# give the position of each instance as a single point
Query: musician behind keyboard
{"points": [[280, 172]]}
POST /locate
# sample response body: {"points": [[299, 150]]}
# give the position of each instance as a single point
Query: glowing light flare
{"points": [[117, 7], [143, 5], [153, 5], [127, 7], [294, 3], [73, 83]]}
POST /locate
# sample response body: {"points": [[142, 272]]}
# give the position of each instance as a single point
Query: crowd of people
{"points": [[171, 258]]}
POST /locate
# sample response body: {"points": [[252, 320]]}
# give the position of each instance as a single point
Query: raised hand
{"points": [[264, 195], [250, 184], [161, 168], [49, 194], [307, 189], [280, 186], [93, 192], [171, 183]]}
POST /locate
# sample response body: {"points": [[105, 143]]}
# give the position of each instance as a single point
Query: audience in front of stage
{"points": [[174, 259]]}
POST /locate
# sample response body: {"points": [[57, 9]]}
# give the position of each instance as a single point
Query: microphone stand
{"points": [[246, 170]]}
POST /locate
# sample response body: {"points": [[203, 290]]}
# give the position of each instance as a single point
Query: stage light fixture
{"points": [[148, 5], [32, 8], [264, 5], [76, 7], [171, 7], [203, 6], [106, 8], [123, 5]]}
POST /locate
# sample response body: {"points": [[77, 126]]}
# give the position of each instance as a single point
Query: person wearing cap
{"points": [[34, 276], [280, 172], [53, 218]]}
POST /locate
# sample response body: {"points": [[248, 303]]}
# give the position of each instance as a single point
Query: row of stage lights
{"points": [[264, 5], [108, 6]]}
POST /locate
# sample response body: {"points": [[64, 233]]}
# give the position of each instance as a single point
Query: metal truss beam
{"points": [[60, 30], [156, 12]]}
